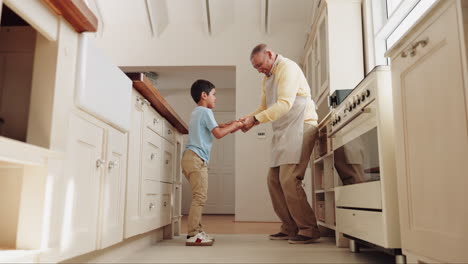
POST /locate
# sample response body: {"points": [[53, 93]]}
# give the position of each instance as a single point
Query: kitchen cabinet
{"points": [[95, 185], [152, 164], [429, 67]]}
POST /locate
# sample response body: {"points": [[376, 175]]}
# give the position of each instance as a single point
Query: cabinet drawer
{"points": [[166, 204], [152, 155], [364, 195], [167, 172], [154, 121], [365, 225], [169, 132], [151, 199]]}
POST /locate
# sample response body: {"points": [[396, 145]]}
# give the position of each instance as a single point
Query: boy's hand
{"points": [[226, 124], [239, 125]]}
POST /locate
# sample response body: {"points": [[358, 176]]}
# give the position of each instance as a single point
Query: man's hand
{"points": [[248, 122]]}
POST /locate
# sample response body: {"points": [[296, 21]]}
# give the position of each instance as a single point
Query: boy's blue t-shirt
{"points": [[200, 139]]}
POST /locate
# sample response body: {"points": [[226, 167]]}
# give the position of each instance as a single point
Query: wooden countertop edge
{"points": [[143, 85], [76, 12]]}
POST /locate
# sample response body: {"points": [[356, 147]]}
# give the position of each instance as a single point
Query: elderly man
{"points": [[286, 102]]}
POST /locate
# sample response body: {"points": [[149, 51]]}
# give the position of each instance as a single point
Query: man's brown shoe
{"points": [[279, 236], [299, 239]]}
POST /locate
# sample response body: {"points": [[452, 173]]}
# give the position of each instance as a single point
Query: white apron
{"points": [[288, 130]]}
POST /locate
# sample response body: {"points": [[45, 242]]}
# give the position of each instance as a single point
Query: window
{"points": [[385, 22], [392, 5]]}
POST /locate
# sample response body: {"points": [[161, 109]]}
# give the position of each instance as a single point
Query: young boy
{"points": [[202, 129]]}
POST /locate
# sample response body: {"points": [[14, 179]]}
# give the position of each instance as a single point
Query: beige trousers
{"points": [[196, 172], [287, 195], [349, 173]]}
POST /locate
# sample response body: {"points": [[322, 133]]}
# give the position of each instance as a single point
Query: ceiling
{"points": [[212, 16], [182, 77], [155, 16]]}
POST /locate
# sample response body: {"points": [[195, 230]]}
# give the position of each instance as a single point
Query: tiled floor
{"points": [[246, 244], [225, 224]]}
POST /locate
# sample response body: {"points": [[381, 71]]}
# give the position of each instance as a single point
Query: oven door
{"points": [[356, 151]]}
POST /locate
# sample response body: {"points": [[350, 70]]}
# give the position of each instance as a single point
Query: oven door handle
{"points": [[364, 110]]}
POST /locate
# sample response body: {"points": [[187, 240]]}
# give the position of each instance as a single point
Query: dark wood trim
{"points": [[76, 12], [143, 85]]}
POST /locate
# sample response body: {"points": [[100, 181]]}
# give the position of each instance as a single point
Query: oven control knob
{"points": [[367, 93], [354, 105], [363, 97], [358, 101], [339, 118]]}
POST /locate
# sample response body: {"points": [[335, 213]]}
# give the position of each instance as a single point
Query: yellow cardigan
{"points": [[291, 83]]}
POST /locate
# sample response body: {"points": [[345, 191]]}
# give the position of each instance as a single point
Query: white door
{"points": [[113, 189], [221, 182], [84, 172]]}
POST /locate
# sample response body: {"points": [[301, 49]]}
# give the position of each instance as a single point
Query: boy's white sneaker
{"points": [[199, 239], [208, 236]]}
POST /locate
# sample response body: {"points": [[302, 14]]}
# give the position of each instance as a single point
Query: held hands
{"points": [[248, 122], [235, 123]]}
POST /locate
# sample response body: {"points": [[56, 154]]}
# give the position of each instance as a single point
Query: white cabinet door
{"points": [[152, 155], [84, 170], [432, 143], [113, 189], [133, 217], [167, 174]]}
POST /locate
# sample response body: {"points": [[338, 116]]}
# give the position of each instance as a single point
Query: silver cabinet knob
{"points": [[113, 164], [99, 163], [155, 121]]}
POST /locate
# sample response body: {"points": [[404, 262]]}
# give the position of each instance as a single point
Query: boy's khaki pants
{"points": [[287, 195], [196, 172]]}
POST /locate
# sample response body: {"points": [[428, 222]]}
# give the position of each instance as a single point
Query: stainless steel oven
{"points": [[355, 140], [364, 161]]}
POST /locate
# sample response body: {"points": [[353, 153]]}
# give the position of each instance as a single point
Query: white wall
{"points": [[189, 45], [183, 104]]}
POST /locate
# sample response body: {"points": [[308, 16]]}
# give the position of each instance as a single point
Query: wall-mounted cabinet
{"points": [[333, 55]]}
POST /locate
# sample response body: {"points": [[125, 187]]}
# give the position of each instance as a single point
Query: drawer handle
{"points": [[151, 206], [152, 156], [169, 132], [155, 121], [412, 50], [167, 162], [165, 203], [99, 163], [113, 164], [354, 214]]}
